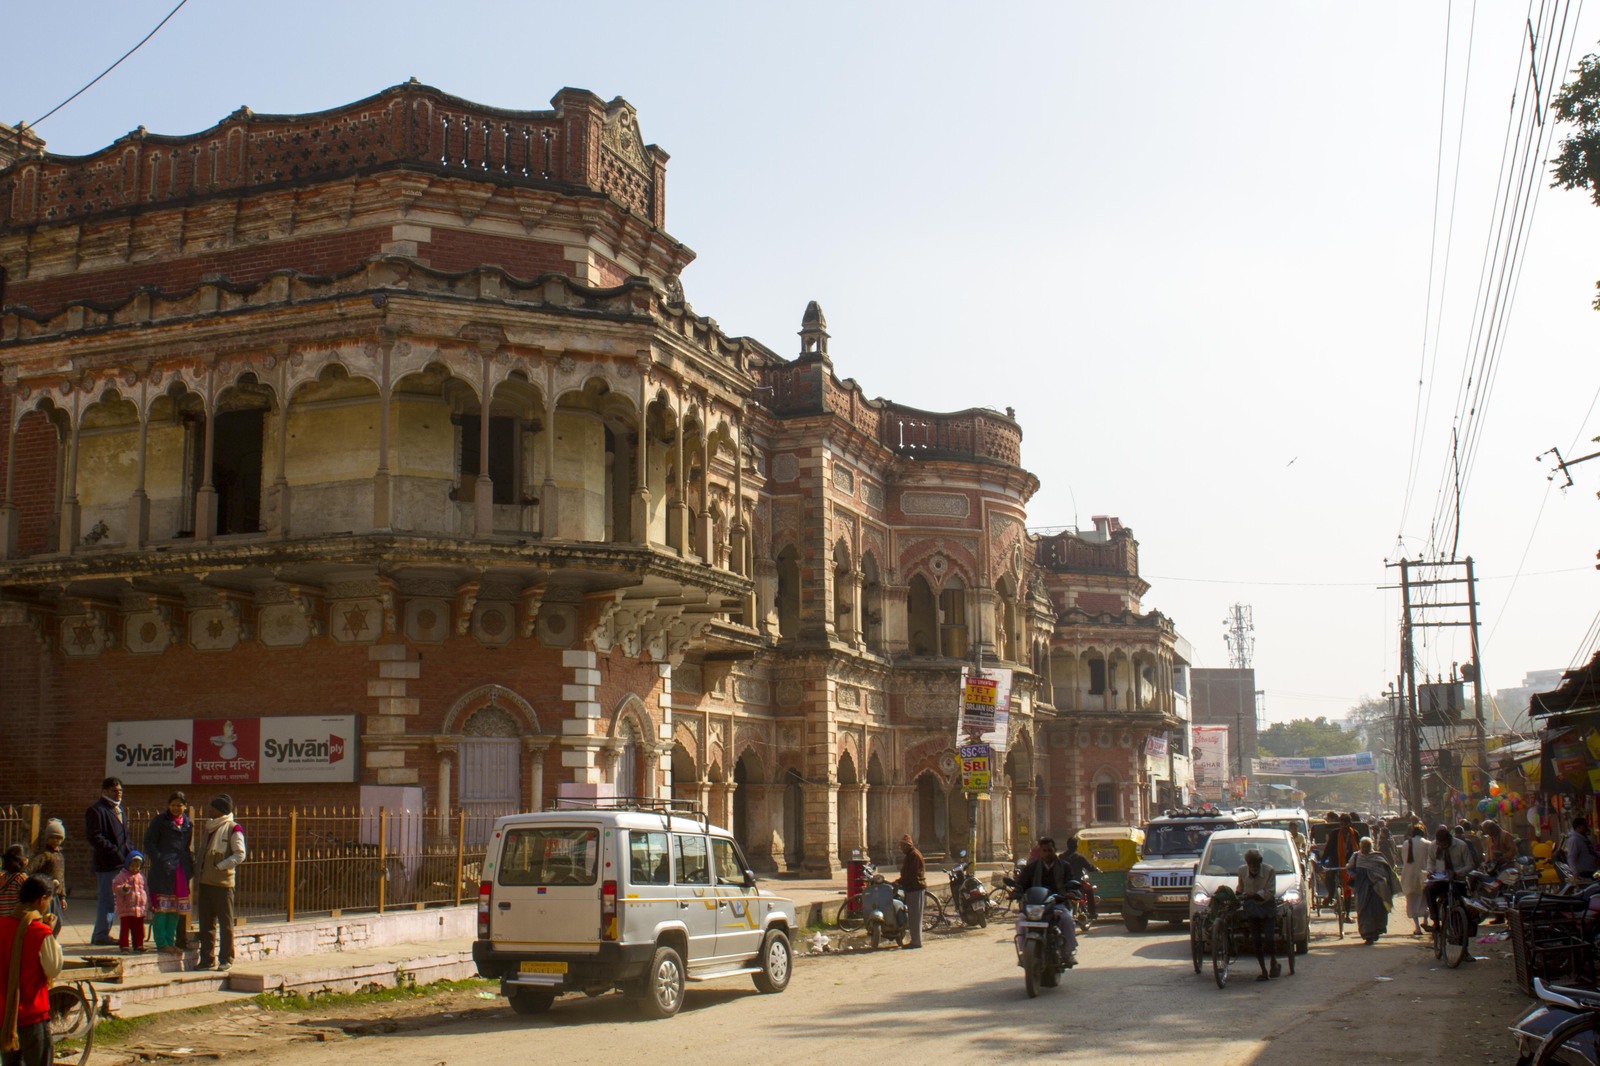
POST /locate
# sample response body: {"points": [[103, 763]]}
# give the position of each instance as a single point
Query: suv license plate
{"points": [[542, 967], [1162, 899]]}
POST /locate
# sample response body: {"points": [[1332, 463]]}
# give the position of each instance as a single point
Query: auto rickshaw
{"points": [[1114, 849]]}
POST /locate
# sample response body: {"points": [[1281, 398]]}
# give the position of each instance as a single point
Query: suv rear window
{"points": [[554, 855]]}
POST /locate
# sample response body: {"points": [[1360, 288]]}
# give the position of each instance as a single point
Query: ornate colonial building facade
{"points": [[397, 412]]}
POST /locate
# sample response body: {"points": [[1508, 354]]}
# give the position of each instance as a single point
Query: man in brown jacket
{"points": [[913, 881]]}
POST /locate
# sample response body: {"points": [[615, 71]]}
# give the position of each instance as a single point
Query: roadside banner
{"points": [[1209, 745], [1315, 766], [233, 751], [1156, 745], [976, 760], [985, 707]]}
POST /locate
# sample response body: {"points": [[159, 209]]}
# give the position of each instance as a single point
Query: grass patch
{"points": [[403, 992]]}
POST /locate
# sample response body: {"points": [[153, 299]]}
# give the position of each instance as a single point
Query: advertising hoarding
{"points": [[1210, 760], [985, 707], [233, 751]]}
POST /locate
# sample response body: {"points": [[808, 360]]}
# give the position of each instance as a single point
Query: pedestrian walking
{"points": [[106, 827], [13, 872], [219, 849], [1375, 884], [30, 958], [51, 862], [913, 881], [169, 871], [133, 903], [1416, 854]]}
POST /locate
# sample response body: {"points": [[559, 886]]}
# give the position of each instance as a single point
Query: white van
{"points": [[634, 895]]}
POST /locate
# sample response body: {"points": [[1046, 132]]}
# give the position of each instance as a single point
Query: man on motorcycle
{"points": [[1080, 867], [1050, 871]]}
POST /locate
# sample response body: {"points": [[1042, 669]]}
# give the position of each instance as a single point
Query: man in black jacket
{"points": [[105, 827], [1050, 871]]}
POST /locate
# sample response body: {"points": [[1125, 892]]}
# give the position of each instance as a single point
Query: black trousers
{"points": [[1263, 934], [35, 1047], [214, 909]]}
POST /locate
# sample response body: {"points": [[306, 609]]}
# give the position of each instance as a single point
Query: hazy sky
{"points": [[1190, 244]]}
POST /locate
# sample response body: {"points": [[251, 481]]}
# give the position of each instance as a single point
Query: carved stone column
{"points": [[69, 498], [536, 746], [138, 521]]}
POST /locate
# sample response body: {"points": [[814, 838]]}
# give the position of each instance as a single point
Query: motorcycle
{"points": [[1561, 1025], [1041, 947], [972, 902], [883, 907], [1493, 893]]}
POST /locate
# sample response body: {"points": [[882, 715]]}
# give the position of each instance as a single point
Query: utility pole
{"points": [[1416, 615]]}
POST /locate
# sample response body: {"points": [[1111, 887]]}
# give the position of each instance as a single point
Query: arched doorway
{"points": [[794, 819], [930, 821], [491, 770]]}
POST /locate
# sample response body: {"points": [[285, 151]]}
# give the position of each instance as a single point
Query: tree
{"points": [[1578, 103], [1305, 737]]}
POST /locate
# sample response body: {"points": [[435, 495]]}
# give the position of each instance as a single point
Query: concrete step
{"points": [[120, 995], [187, 1001], [328, 973]]}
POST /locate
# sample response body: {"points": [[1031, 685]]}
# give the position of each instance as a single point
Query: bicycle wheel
{"points": [[1196, 948], [932, 912], [1576, 1031], [851, 913], [1221, 953], [1455, 936], [1341, 910], [69, 1012], [999, 904]]}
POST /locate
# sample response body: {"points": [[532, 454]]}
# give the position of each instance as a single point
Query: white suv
{"points": [[638, 897]]}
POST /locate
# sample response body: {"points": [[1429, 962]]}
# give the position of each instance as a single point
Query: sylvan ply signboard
{"points": [[232, 751]]}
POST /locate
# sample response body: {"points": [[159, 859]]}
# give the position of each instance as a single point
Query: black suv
{"points": [[1159, 883]]}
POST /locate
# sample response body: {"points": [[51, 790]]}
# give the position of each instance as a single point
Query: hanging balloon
{"points": [[1494, 788], [1483, 806], [1505, 806]]}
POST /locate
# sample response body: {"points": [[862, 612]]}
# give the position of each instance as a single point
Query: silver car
{"points": [[1224, 854]]}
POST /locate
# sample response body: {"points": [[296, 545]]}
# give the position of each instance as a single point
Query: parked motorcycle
{"points": [[1560, 1028], [884, 909], [971, 900], [1493, 893], [1041, 947]]}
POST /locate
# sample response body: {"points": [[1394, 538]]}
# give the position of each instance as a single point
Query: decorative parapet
{"points": [[1067, 552], [807, 386], [582, 142]]}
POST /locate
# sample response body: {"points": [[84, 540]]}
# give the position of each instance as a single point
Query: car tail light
{"points": [[608, 910], [484, 889]]}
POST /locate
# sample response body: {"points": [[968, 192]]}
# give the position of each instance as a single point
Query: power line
{"points": [[1349, 584], [112, 67]]}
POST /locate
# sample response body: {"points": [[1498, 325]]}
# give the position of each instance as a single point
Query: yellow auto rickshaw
{"points": [[1114, 849]]}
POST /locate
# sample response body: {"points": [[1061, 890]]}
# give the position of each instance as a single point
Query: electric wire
{"points": [[112, 67]]}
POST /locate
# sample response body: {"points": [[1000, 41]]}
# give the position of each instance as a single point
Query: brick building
{"points": [[393, 420]]}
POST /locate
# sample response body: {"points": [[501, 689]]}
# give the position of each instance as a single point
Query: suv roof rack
{"points": [[1207, 811], [666, 807]]}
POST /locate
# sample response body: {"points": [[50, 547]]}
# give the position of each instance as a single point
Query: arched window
{"points": [[625, 771], [871, 604], [1105, 801], [788, 593], [953, 620], [922, 618], [843, 593]]}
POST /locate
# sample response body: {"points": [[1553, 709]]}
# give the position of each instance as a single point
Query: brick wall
{"points": [[34, 490]]}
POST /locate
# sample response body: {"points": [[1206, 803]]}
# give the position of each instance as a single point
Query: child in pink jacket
{"points": [[133, 903]]}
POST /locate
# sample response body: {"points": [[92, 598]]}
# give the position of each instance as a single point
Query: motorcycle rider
{"points": [[1080, 867], [1050, 871]]}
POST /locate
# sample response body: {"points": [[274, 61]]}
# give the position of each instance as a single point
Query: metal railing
{"points": [[329, 860]]}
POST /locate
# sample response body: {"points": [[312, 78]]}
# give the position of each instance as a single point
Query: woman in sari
{"points": [[169, 867], [1375, 884]]}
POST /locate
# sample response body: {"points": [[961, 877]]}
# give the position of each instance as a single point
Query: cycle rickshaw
{"points": [[1221, 932]]}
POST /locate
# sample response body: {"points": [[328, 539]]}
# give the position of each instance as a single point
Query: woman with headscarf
{"points": [[169, 868], [1415, 855], [1375, 884]]}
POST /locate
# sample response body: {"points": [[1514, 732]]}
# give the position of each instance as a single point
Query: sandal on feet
{"points": [[1261, 977]]}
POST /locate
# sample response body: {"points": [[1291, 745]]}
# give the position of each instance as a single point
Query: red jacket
{"points": [[34, 1005]]}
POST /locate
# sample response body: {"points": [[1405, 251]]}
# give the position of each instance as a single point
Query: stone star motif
{"points": [[355, 622], [83, 635], [215, 628]]}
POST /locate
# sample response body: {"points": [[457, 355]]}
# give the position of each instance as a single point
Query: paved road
{"points": [[1133, 999]]}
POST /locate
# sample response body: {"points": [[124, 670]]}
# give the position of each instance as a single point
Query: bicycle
{"points": [[851, 914], [1451, 926]]}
